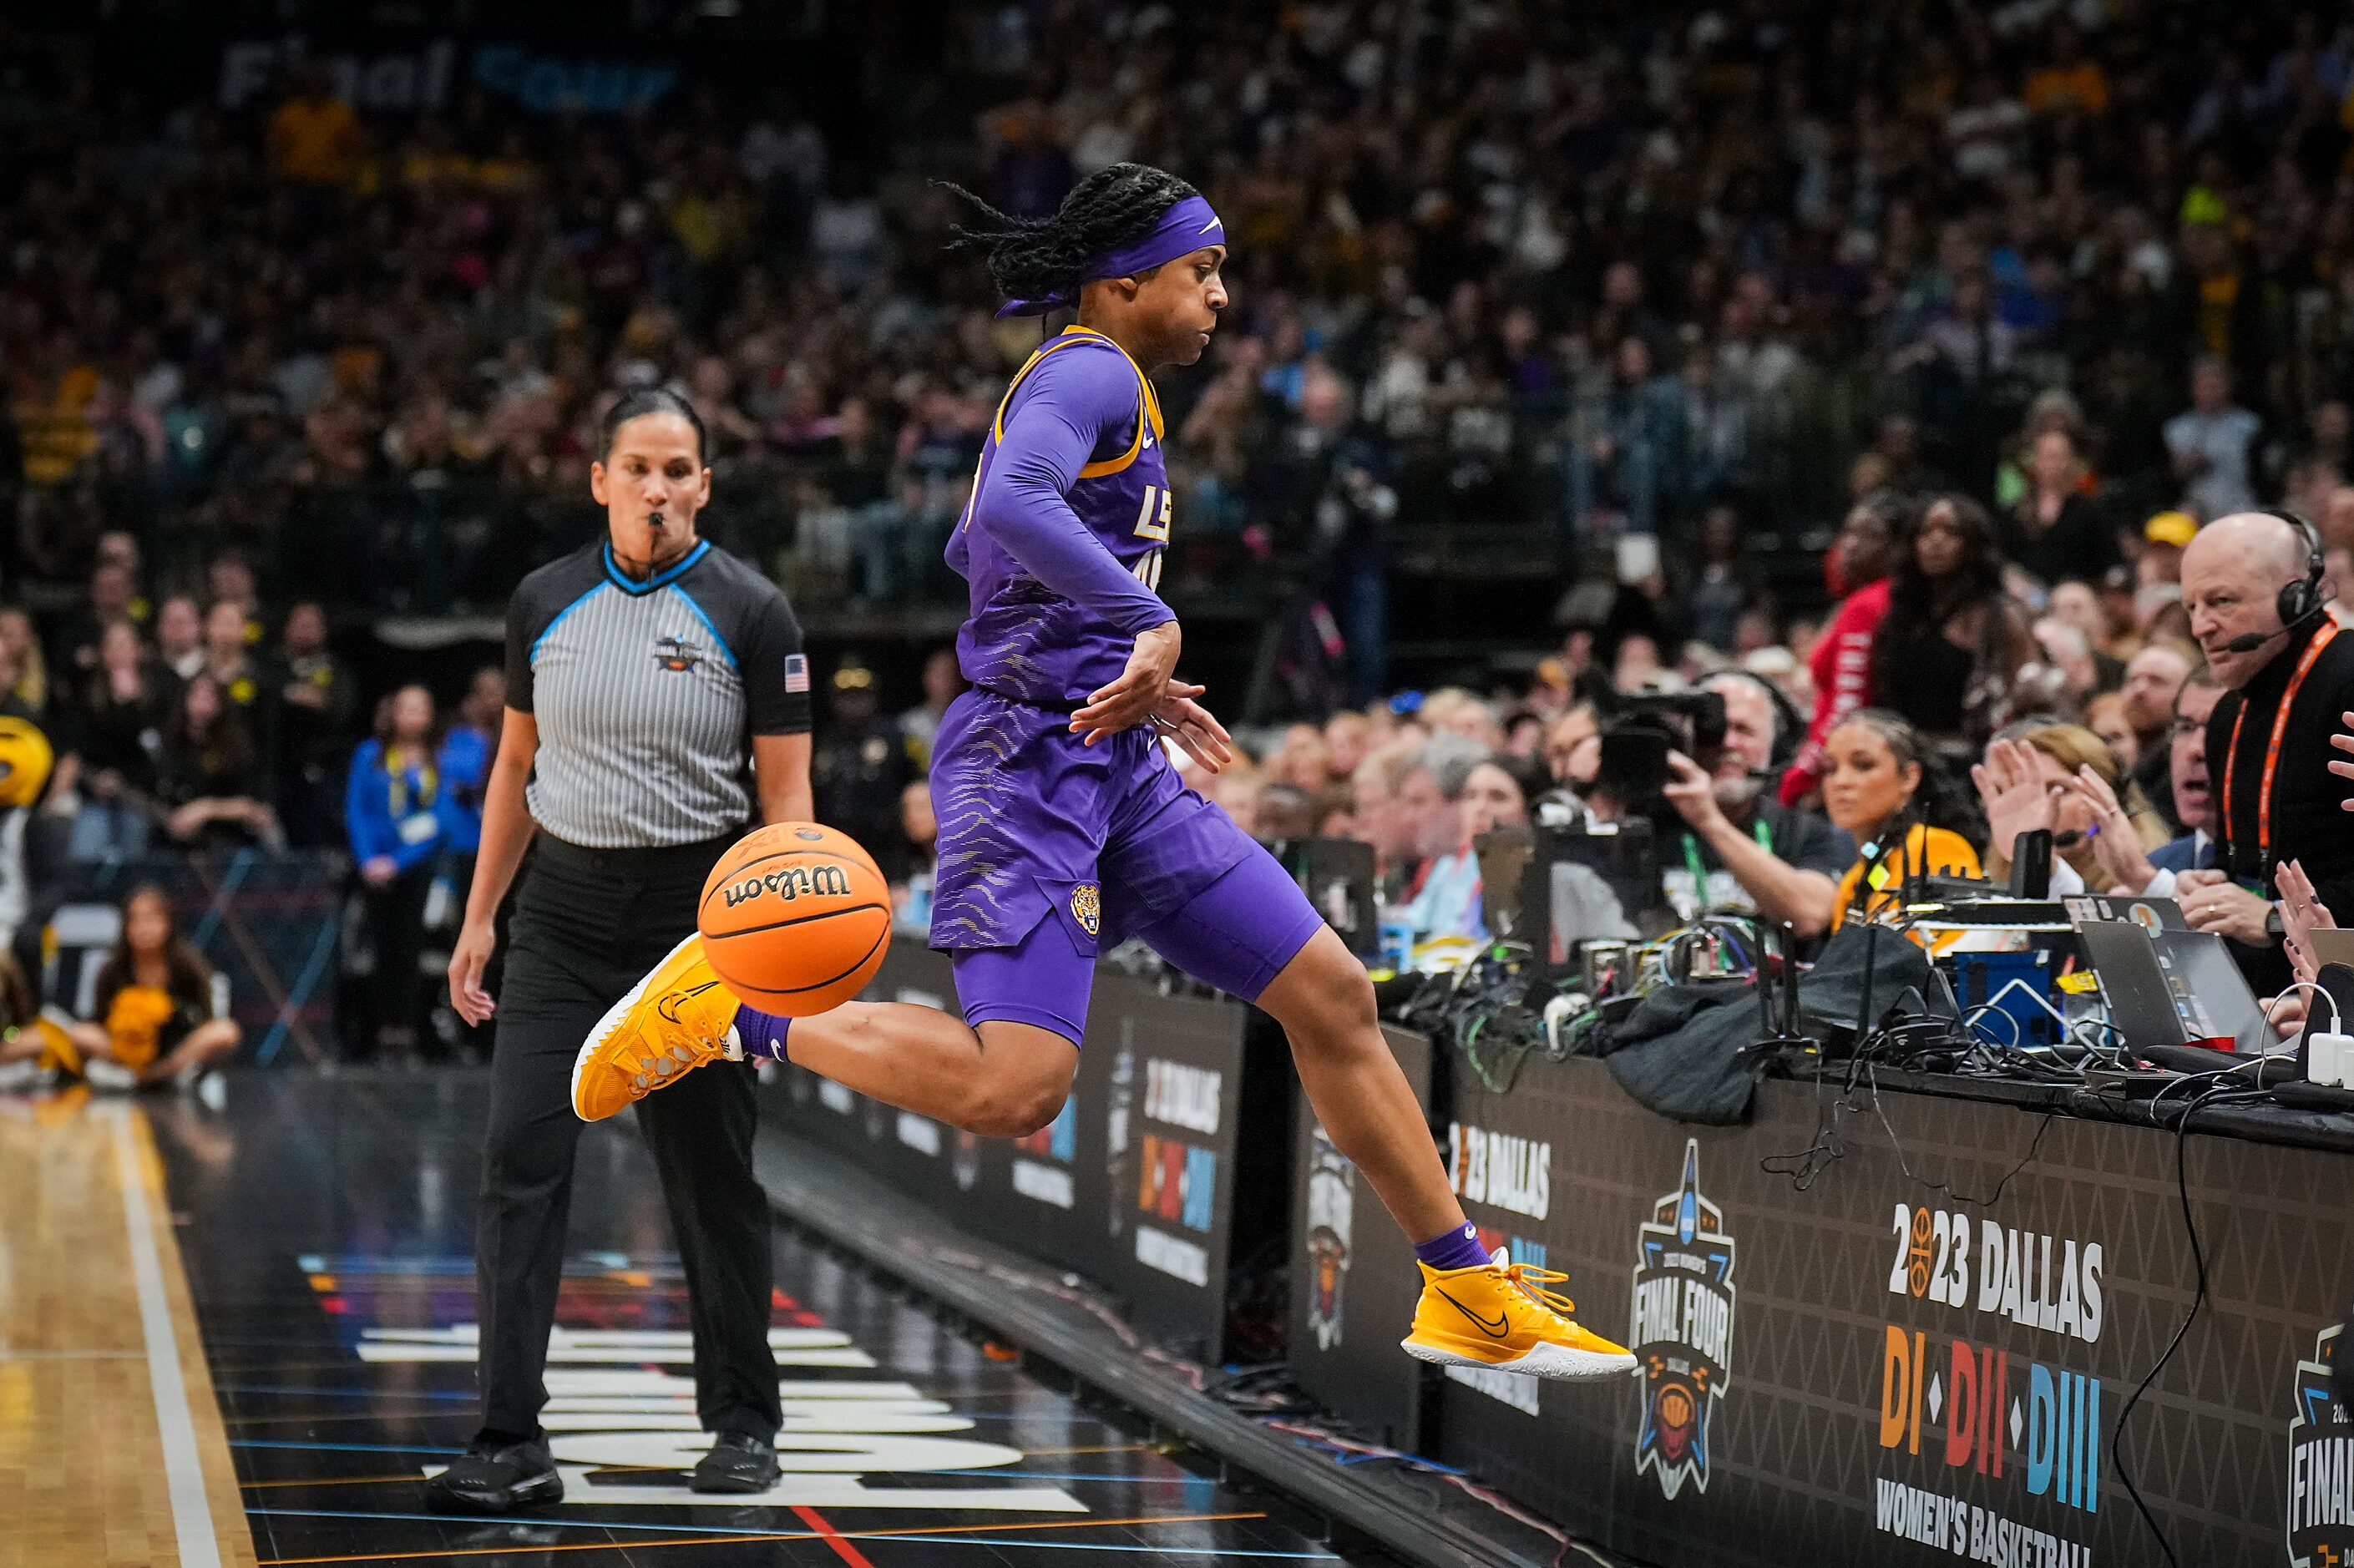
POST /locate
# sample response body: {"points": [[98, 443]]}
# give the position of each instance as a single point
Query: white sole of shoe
{"points": [[612, 1020], [1559, 1363]]}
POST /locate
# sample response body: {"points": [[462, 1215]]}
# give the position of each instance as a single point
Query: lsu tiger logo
{"points": [[1087, 906]]}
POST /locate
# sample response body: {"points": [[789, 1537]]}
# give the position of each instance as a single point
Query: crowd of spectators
{"points": [[2009, 299], [1689, 270]]}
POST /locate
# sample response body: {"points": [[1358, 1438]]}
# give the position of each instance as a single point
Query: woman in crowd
{"points": [[154, 1004], [1474, 796], [399, 820], [1947, 654], [1840, 660], [2063, 778], [2054, 532], [210, 780], [20, 655], [1874, 787], [121, 739]]}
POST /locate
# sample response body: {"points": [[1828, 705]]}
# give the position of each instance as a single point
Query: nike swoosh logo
{"points": [[1495, 1330], [667, 1005], [1209, 225]]}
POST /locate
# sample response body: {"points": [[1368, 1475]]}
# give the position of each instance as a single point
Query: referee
{"points": [[655, 686]]}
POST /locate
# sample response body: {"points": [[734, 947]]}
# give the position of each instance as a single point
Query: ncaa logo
{"points": [[2320, 1462], [676, 654], [1681, 1332]]}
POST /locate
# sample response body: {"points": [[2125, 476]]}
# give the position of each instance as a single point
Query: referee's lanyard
{"points": [[1757, 829], [2272, 760]]}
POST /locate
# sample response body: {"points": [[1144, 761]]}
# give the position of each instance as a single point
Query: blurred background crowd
{"points": [[1889, 352]]}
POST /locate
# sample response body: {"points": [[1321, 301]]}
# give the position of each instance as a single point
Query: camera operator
{"points": [[1741, 848], [2251, 583], [1729, 843]]}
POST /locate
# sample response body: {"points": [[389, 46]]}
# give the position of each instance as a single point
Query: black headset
{"points": [[2303, 599], [2298, 601]]}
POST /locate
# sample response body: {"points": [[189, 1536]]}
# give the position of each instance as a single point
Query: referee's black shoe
{"points": [[497, 1478], [739, 1462]]}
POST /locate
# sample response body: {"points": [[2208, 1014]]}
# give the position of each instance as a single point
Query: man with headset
{"points": [[2253, 584], [1741, 847]]}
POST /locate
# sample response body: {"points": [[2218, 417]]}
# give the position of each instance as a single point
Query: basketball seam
{"points": [[880, 937], [795, 920]]}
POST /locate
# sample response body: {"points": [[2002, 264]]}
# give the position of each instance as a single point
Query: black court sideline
{"points": [[327, 1227]]}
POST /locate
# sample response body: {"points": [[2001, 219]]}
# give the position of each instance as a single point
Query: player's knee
{"points": [[1019, 1112], [1321, 997], [1018, 1105], [1023, 1089]]}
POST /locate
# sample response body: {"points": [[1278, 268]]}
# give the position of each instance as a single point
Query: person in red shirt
{"points": [[1857, 566]]}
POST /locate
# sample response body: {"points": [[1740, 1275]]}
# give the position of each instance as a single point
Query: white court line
{"points": [[192, 1517]]}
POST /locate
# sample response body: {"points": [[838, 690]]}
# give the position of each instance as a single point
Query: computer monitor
{"points": [[1564, 887], [1336, 874]]}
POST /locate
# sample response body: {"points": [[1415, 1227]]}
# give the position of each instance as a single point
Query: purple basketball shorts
{"points": [[1051, 850]]}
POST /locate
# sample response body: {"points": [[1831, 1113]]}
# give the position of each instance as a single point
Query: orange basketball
{"points": [[795, 918]]}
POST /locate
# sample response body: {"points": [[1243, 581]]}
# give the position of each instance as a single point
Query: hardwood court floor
{"points": [[327, 1226], [94, 1312]]}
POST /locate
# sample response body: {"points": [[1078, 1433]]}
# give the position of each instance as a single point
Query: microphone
{"points": [[2249, 642]]}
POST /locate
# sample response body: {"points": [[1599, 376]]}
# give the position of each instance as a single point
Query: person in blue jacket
{"points": [[399, 814], [465, 757]]}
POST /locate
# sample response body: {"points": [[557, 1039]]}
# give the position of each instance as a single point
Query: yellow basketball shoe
{"points": [[1499, 1315], [671, 1023]]}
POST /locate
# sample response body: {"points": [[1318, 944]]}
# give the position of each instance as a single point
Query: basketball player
{"points": [[1064, 827]]}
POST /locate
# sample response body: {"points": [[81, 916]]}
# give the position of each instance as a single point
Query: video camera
{"points": [[1636, 741]]}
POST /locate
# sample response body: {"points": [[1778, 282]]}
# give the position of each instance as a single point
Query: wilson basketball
{"points": [[795, 918]]}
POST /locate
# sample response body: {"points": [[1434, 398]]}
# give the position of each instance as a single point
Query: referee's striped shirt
{"points": [[648, 693]]}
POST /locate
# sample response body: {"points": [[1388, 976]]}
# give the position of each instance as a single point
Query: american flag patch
{"points": [[796, 671]]}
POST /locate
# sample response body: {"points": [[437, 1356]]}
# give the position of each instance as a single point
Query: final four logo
{"points": [[1332, 1210], [1683, 1332], [2320, 1466]]}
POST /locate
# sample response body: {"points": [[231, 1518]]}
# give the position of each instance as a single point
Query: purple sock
{"points": [[1458, 1249], [761, 1034]]}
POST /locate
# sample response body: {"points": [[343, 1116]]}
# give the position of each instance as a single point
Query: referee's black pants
{"points": [[587, 925]]}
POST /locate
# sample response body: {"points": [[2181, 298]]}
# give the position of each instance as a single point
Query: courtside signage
{"points": [[2320, 1464], [1681, 1332], [1513, 1173]]}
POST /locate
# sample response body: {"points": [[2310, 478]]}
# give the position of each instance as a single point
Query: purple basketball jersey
{"points": [[1024, 641]]}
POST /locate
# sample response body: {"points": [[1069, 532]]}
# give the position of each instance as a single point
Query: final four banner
{"points": [[1841, 1362]]}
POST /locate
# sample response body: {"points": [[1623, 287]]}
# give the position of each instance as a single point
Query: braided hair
{"points": [[1031, 257]]}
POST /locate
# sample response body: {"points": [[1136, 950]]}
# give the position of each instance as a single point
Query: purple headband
{"points": [[1189, 226]]}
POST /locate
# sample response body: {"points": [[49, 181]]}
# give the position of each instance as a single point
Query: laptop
{"points": [[2173, 988], [2152, 915]]}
